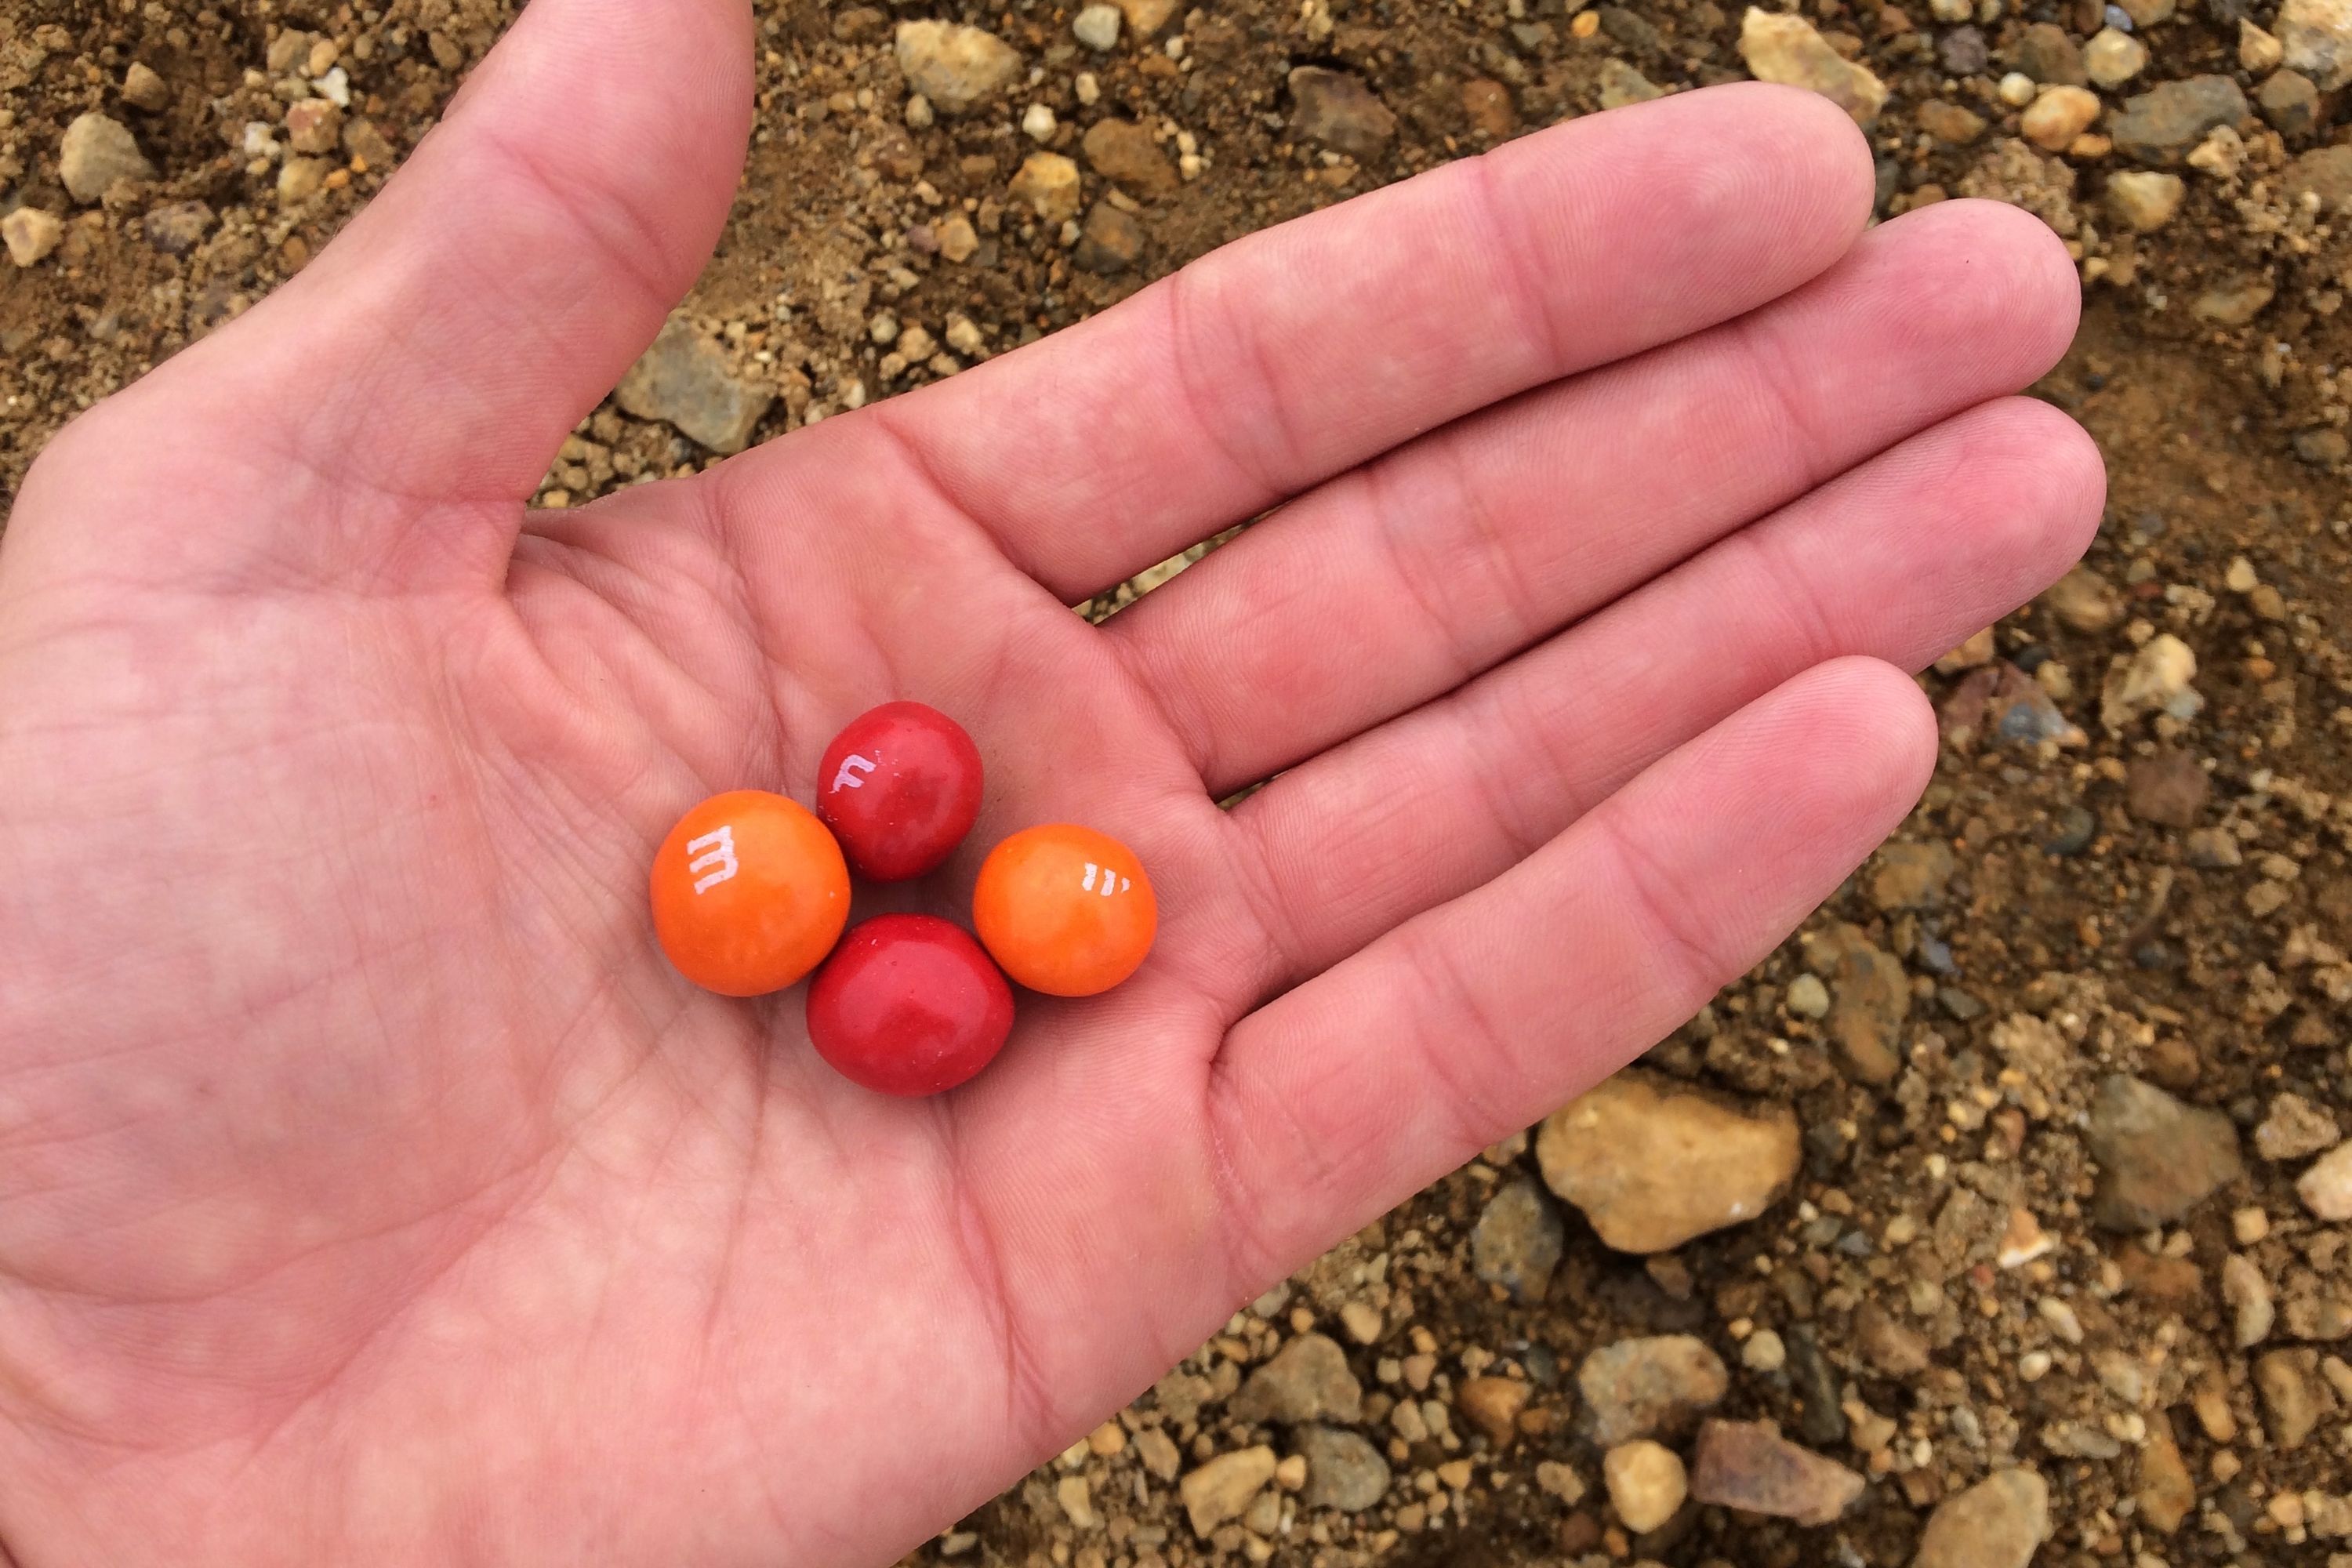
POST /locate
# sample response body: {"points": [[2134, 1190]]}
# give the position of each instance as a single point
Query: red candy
{"points": [[909, 1004], [900, 788]]}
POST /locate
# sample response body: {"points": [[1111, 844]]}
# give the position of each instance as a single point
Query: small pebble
{"points": [[2248, 1297], [2296, 1127], [1364, 1323], [1746, 1464], [31, 235], [2000, 1522], [2257, 52], [2075, 830], [1646, 1484], [1098, 28], [2058, 116], [97, 152], [142, 88], [2326, 1188], [1808, 997], [2113, 58]]}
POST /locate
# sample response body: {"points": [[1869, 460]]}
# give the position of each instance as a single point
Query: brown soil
{"points": [[2137, 945]]}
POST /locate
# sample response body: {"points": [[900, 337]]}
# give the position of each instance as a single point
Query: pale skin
{"points": [[371, 1190]]}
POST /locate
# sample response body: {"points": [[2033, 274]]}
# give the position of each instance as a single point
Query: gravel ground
{"points": [[2001, 1214]]}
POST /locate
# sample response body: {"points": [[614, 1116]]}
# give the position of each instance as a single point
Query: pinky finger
{"points": [[1482, 1015]]}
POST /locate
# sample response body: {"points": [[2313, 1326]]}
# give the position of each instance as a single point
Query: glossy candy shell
{"points": [[750, 893], [901, 787], [1064, 910], [908, 1005]]}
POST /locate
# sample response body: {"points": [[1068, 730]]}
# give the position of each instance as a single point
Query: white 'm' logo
{"points": [[850, 768], [1112, 883], [712, 849]]}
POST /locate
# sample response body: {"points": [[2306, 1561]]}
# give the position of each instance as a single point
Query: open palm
{"points": [[370, 1188]]}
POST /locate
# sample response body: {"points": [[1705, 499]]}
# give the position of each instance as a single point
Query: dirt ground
{"points": [[2043, 1101]]}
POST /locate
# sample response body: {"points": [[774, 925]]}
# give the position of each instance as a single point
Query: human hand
{"points": [[371, 1190]]}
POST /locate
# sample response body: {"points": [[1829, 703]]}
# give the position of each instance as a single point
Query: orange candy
{"points": [[750, 893], [1064, 910]]}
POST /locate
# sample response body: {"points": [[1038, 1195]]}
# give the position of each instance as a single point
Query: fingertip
{"points": [[2065, 464], [1870, 733], [2041, 292], [1786, 170], [1801, 140], [1815, 130], [1792, 152], [1967, 286]]}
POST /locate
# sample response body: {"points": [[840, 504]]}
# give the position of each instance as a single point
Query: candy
{"points": [[750, 893], [908, 1005], [900, 787], [1066, 910]]}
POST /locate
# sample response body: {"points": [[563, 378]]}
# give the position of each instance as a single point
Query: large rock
{"points": [[1654, 1386], [96, 152], [2161, 124], [1746, 1464], [2000, 1522], [1344, 1471], [1518, 1241], [1223, 1489], [954, 65], [685, 379], [2317, 38], [1335, 109], [1307, 1380], [1788, 50], [1652, 1164], [2159, 1158]]}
